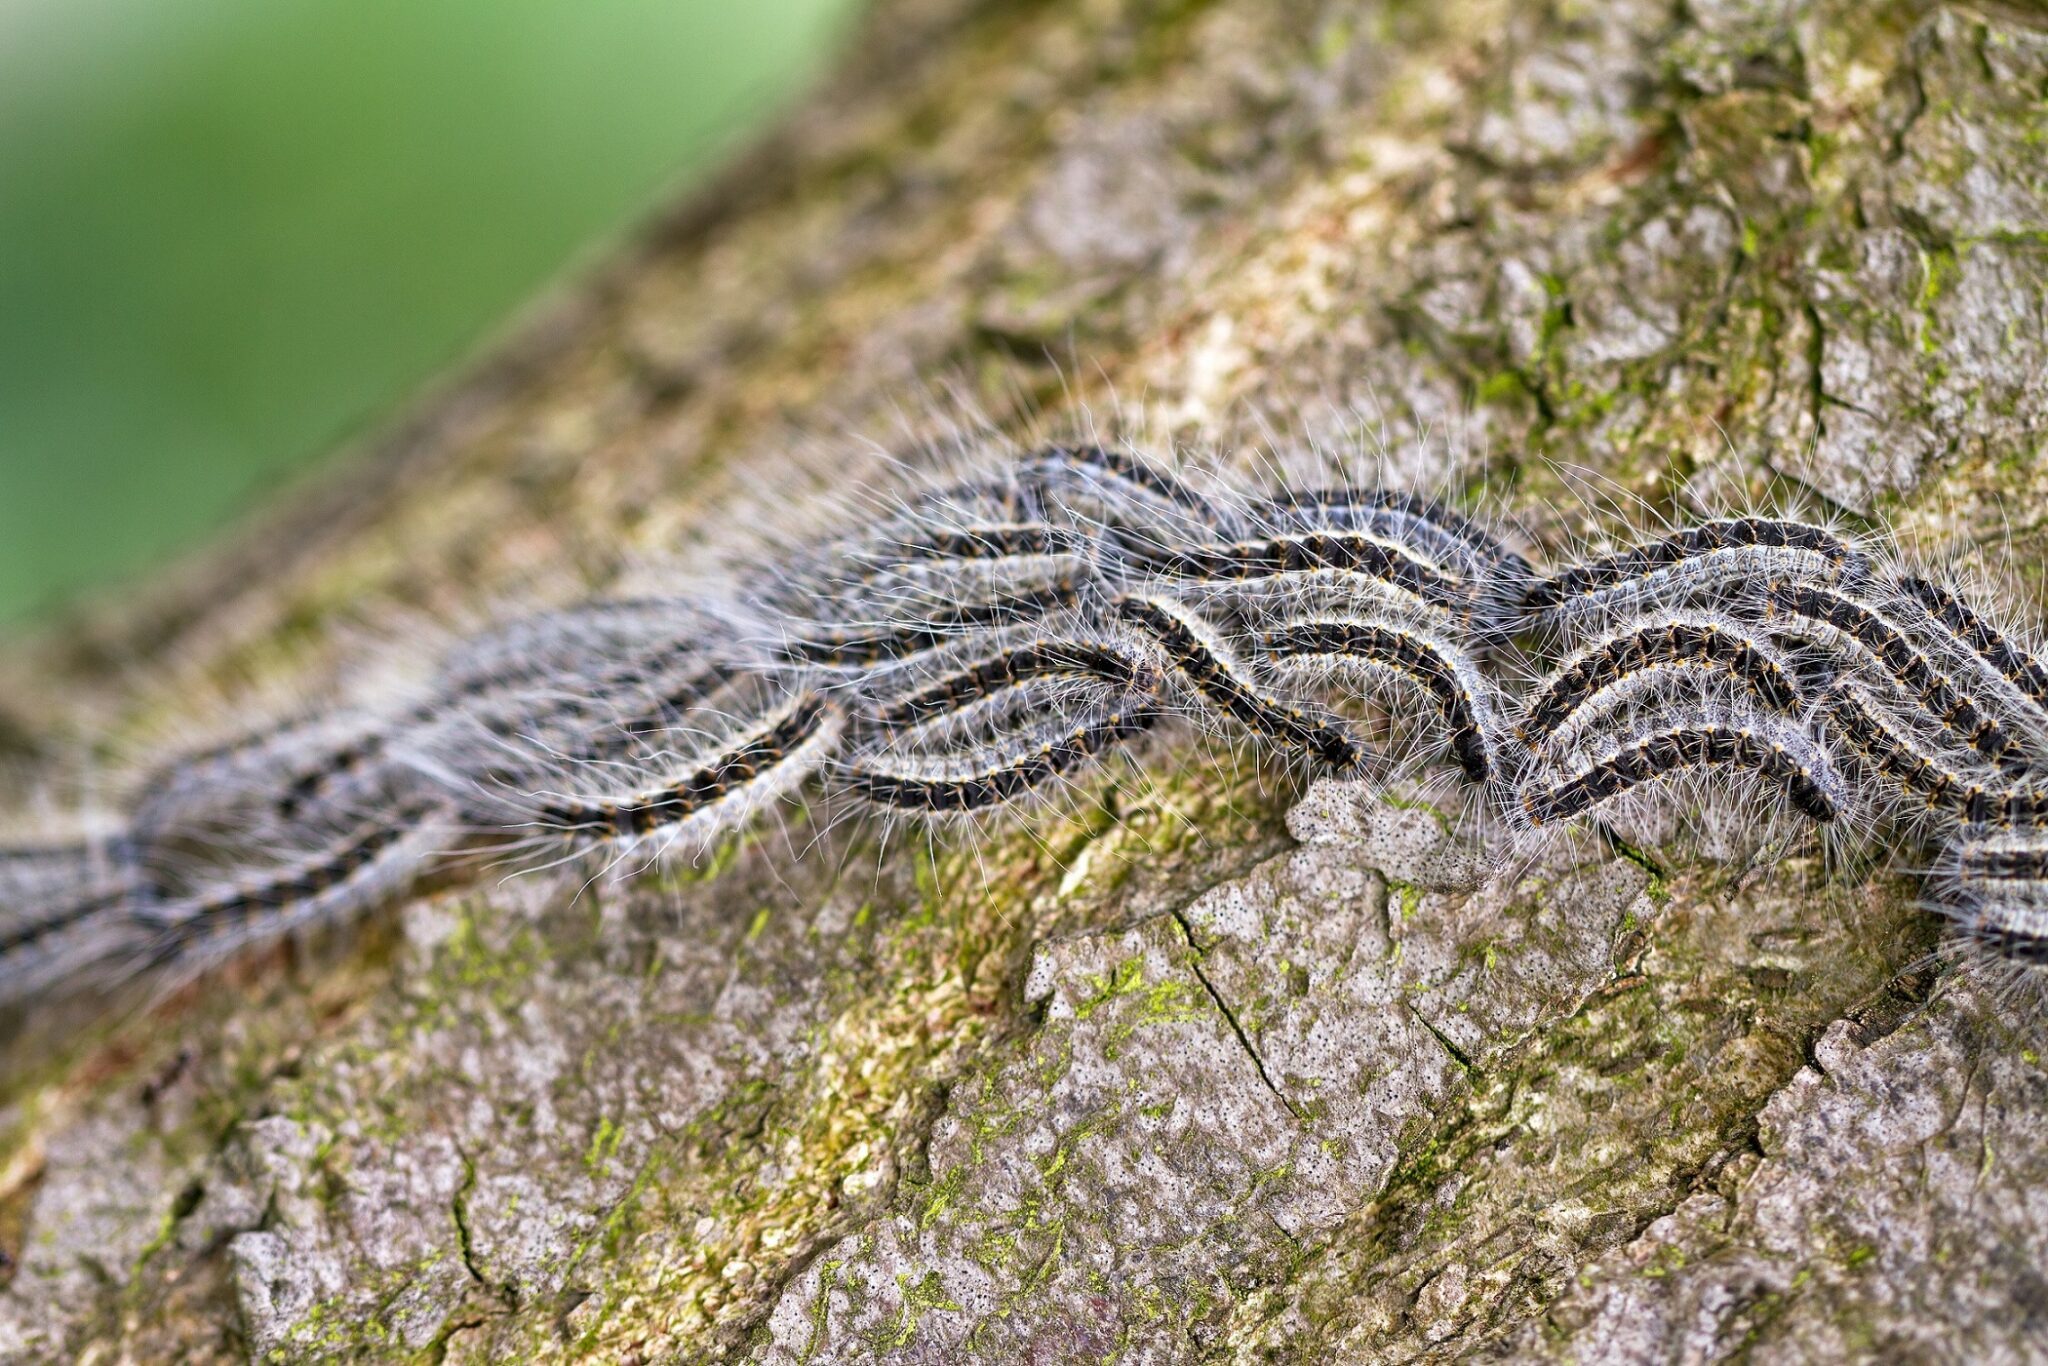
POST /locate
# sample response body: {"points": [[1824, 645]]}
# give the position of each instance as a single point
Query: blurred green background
{"points": [[233, 232]]}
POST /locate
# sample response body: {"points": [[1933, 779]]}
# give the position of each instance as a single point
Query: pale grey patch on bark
{"points": [[1893, 1215], [1210, 1091]]}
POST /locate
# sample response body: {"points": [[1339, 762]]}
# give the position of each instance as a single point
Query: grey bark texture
{"points": [[1248, 1073]]}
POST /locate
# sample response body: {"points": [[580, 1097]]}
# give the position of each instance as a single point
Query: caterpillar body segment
{"points": [[1885, 645], [986, 779], [571, 679], [971, 541], [723, 769], [1643, 657], [1496, 577], [1991, 882], [1890, 754], [1434, 530], [604, 633], [1991, 649], [1712, 559], [262, 890], [579, 715], [1780, 755], [1920, 777], [1332, 556], [25, 926], [917, 700], [30, 873], [987, 595], [64, 909], [353, 872], [1218, 678], [921, 568], [197, 789], [1440, 670], [573, 722], [322, 769], [870, 642], [2005, 862], [85, 935], [294, 774], [997, 726], [716, 777], [1101, 486]]}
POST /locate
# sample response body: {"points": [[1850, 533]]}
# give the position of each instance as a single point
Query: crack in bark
{"points": [[1816, 360], [1236, 1027], [1458, 1055], [464, 1241]]}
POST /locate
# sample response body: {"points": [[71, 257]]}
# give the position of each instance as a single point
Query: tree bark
{"points": [[1247, 1074]]}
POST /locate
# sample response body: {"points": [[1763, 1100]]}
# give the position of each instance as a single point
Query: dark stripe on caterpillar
{"points": [[1996, 890], [1033, 659], [583, 706], [1347, 552], [1100, 467], [1439, 532], [1888, 645], [707, 782], [272, 778], [2011, 663], [333, 766], [69, 908], [604, 736], [1684, 641], [2019, 806], [1590, 582], [985, 541], [885, 571], [1012, 773], [2009, 941], [1885, 751], [1216, 678], [294, 885], [1773, 753], [527, 649], [865, 646], [33, 928], [1891, 754], [2002, 863], [42, 856], [1421, 659]]}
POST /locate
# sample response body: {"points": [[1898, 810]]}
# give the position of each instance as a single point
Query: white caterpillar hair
{"points": [[978, 641]]}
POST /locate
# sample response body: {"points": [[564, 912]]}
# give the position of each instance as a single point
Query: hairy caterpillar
{"points": [[1887, 646], [1451, 680], [1779, 754], [1218, 678], [1655, 649], [1439, 533], [1008, 667], [982, 641], [1992, 882], [1703, 558], [990, 779], [1333, 554], [349, 873]]}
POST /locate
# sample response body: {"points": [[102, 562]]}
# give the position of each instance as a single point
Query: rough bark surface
{"points": [[1249, 1074]]}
